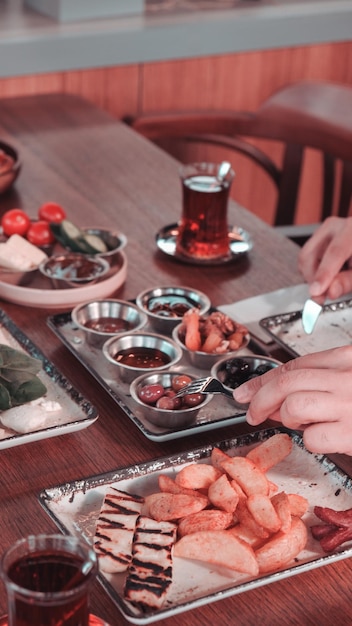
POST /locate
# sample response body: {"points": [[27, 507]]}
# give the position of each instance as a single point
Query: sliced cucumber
{"points": [[75, 239]]}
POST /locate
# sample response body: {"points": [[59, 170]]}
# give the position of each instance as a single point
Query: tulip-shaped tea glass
{"points": [[203, 229], [47, 579]]}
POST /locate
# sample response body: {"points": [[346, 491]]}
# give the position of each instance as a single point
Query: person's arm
{"points": [[324, 255], [312, 393]]}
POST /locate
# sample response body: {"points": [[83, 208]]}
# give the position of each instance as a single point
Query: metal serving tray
{"points": [[75, 506], [333, 329], [220, 411], [75, 411]]}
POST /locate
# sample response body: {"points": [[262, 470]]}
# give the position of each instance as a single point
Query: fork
{"points": [[204, 385]]}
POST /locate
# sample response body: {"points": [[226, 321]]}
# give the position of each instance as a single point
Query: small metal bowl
{"points": [[141, 343], [173, 303], [114, 241], [246, 368], [161, 417], [101, 319], [73, 270], [10, 166], [205, 360]]}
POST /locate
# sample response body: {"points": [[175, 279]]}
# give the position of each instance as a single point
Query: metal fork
{"points": [[204, 385]]}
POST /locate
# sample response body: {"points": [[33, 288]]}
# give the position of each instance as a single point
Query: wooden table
{"points": [[104, 174]]}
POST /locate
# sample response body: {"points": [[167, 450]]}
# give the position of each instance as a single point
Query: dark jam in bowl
{"points": [[171, 305], [74, 267], [108, 325], [142, 357]]}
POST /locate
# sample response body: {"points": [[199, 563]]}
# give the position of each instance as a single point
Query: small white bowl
{"points": [[164, 418], [73, 270], [166, 305], [141, 345], [101, 319]]}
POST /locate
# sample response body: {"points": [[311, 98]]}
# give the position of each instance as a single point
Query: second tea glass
{"points": [[203, 229]]}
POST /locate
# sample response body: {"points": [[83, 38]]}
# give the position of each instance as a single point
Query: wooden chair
{"points": [[300, 116]]}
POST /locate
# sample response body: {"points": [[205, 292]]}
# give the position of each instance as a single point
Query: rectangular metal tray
{"points": [[333, 329], [219, 412], [75, 506], [75, 412]]}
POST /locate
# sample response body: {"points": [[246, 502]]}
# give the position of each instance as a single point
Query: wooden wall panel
{"points": [[233, 81]]}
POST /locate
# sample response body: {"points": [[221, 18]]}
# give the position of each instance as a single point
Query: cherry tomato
{"points": [[193, 399], [166, 403], [39, 233], [15, 222], [51, 212]]}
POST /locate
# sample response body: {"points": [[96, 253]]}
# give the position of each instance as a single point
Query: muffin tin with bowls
{"points": [[132, 354], [165, 418], [102, 319], [165, 306]]}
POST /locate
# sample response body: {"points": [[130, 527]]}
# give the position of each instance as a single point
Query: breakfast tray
{"points": [[75, 507], [219, 412]]}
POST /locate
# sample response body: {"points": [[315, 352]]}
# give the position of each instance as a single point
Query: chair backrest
{"points": [[300, 116]]}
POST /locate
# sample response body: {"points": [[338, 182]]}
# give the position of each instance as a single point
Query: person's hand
{"points": [[312, 393], [321, 259]]}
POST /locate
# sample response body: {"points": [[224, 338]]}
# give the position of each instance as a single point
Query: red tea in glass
{"points": [[203, 230], [47, 578]]}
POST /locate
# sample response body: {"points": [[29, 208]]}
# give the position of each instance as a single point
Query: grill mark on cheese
{"points": [[114, 529], [150, 572]]}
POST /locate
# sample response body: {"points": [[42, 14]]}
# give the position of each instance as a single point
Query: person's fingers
{"points": [[280, 378], [302, 408], [323, 256], [328, 438], [341, 285]]}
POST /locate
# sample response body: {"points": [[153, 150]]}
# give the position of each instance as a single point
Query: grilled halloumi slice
{"points": [[149, 574], [115, 528]]}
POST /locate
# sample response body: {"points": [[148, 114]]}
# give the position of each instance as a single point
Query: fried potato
{"points": [[271, 451], [246, 473], [212, 342], [173, 506], [222, 495], [210, 519], [217, 457], [219, 547], [168, 485], [197, 476], [281, 505], [247, 520], [298, 504], [245, 534], [263, 511], [282, 547]]}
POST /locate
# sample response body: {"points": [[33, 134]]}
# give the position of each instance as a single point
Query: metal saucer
{"points": [[240, 243]]}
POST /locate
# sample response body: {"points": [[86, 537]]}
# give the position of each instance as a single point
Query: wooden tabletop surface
{"points": [[104, 174]]}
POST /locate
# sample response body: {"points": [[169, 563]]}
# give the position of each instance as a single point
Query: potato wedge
{"points": [[197, 476], [210, 519], [247, 520], [282, 547], [246, 473], [173, 506], [218, 547], [298, 504], [169, 485], [245, 534], [222, 495], [271, 452], [217, 457], [281, 505], [263, 511]]}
